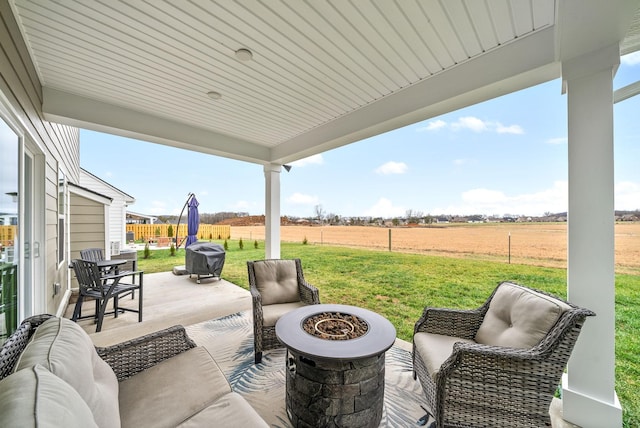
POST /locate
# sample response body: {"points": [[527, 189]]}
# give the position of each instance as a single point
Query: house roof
{"points": [[322, 74], [90, 194], [128, 198]]}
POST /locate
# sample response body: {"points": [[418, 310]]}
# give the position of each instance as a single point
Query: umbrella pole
{"points": [[186, 204]]}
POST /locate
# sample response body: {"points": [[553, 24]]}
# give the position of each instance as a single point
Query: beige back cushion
{"points": [[277, 281], [63, 348], [33, 397], [519, 317]]}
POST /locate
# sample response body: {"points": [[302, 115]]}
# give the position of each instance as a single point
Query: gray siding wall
{"points": [[88, 219], [117, 209], [20, 86]]}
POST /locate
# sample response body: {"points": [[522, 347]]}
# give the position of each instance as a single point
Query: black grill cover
{"points": [[204, 258]]}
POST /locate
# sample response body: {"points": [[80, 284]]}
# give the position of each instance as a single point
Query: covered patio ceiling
{"points": [[322, 74]]}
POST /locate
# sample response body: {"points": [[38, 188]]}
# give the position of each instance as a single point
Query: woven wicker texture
{"points": [[126, 358], [13, 346], [490, 386], [264, 337]]}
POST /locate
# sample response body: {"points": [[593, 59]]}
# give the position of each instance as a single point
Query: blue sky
{"points": [[504, 156]]}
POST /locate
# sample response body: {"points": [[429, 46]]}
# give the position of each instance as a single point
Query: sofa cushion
{"points": [[434, 349], [35, 397], [63, 348], [519, 317], [277, 281], [272, 313], [231, 410], [172, 391]]}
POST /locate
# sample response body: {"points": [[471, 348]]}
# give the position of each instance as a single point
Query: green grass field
{"points": [[399, 286]]}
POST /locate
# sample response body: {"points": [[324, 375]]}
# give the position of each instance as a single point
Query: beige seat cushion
{"points": [[231, 410], [272, 313], [277, 281], [519, 317], [33, 397], [434, 349], [63, 348], [172, 391]]}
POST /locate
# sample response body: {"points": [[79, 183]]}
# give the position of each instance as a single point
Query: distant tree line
{"points": [[320, 216], [206, 218]]}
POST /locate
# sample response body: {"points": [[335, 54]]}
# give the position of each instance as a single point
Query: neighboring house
{"points": [[115, 231], [137, 218], [88, 219]]}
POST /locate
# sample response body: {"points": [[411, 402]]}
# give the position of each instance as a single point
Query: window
{"points": [[62, 210]]}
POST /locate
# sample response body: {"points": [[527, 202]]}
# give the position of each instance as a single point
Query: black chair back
{"points": [[88, 276], [92, 254]]}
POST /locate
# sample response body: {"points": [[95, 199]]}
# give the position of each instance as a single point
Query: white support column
{"points": [[589, 397], [272, 211]]}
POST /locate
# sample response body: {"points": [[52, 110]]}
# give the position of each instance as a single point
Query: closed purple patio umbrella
{"points": [[193, 221]]}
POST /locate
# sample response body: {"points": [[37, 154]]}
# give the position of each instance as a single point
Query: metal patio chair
{"points": [[96, 255], [102, 288]]}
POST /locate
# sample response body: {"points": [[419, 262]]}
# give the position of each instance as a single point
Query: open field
{"points": [[539, 244]]}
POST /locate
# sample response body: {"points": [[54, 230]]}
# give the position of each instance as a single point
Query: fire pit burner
{"points": [[335, 326], [335, 365]]}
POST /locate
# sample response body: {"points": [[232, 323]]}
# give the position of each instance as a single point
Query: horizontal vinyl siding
{"points": [[87, 218], [59, 144], [117, 209]]}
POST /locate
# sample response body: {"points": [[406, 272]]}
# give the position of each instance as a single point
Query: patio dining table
{"points": [[106, 266]]}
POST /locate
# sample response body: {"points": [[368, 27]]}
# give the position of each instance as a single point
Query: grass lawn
{"points": [[399, 286]]}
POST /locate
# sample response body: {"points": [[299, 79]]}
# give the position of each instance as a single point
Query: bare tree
{"points": [[319, 213]]}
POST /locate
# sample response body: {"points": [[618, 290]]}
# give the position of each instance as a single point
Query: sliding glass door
{"points": [[9, 229]]}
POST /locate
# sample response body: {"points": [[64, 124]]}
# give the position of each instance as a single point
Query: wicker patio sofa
{"points": [[498, 365], [52, 375]]}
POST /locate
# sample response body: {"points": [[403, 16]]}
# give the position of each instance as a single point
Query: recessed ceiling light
{"points": [[244, 54], [214, 95]]}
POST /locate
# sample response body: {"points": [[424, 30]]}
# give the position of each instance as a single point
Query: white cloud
{"points": [[469, 122], [384, 208], [108, 174], [631, 59], [433, 125], [493, 201], [302, 199], [311, 160], [392, 167], [559, 140], [512, 129], [484, 201], [627, 196], [474, 124]]}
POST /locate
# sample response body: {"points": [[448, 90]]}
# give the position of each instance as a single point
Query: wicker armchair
{"points": [[498, 365], [277, 287]]}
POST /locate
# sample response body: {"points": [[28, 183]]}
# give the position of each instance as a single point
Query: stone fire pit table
{"points": [[334, 381]]}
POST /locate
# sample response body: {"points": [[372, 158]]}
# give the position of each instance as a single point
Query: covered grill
{"points": [[205, 260]]}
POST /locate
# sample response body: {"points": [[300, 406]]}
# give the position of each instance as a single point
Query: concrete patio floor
{"points": [[168, 300], [171, 299]]}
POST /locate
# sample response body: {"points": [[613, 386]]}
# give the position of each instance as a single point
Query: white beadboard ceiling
{"points": [[323, 73]]}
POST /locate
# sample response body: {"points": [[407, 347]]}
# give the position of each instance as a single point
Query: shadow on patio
{"points": [[217, 315]]}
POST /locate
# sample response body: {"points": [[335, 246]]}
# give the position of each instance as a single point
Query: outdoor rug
{"points": [[230, 341]]}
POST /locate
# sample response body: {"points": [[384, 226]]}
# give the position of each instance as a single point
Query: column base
{"points": [[589, 412]]}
